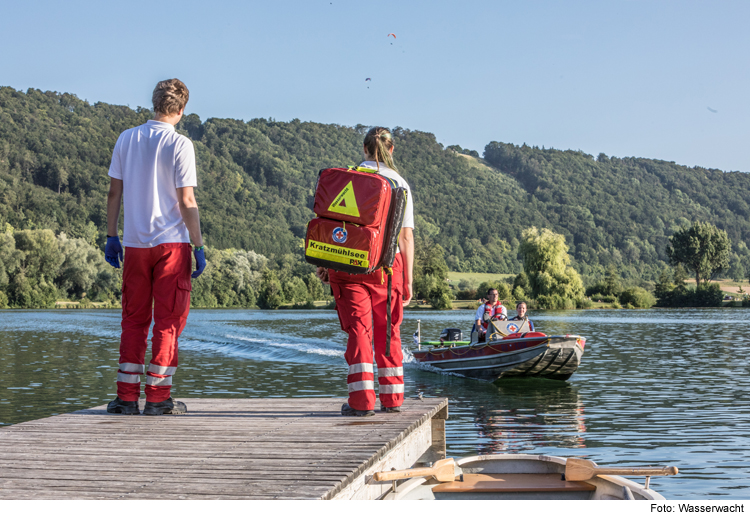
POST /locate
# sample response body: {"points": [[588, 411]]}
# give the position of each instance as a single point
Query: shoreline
{"points": [[72, 305]]}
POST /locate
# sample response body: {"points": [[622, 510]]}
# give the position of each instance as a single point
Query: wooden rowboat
{"points": [[515, 477], [510, 351]]}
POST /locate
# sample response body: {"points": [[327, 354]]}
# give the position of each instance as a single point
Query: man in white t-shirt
{"points": [[153, 174]]}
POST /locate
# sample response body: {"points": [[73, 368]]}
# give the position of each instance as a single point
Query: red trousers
{"points": [[361, 303], [157, 279]]}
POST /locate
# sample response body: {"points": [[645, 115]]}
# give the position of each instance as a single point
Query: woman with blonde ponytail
{"points": [[361, 302]]}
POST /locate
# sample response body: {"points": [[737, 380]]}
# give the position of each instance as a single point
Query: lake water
{"points": [[655, 386]]}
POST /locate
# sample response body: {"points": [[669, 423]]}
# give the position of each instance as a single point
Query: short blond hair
{"points": [[170, 97]]}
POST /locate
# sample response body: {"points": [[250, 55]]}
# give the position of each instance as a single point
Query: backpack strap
{"points": [[389, 272], [359, 168]]}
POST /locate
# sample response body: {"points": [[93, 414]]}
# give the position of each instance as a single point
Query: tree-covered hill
{"points": [[256, 182], [621, 212], [256, 178]]}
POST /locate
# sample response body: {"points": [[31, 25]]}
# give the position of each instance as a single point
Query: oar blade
{"points": [[579, 469], [445, 470]]}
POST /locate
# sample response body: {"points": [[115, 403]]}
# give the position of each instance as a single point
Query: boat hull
{"points": [[551, 357], [519, 477]]}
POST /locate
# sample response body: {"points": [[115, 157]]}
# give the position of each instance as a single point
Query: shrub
{"points": [[603, 298], [583, 302], [466, 295], [637, 297], [704, 295]]}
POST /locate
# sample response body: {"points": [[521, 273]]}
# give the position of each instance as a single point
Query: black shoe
{"points": [[385, 409], [348, 411], [117, 406], [168, 406]]}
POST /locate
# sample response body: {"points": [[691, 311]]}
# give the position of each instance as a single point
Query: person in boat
{"points": [[361, 303], [521, 315], [492, 309], [152, 175]]}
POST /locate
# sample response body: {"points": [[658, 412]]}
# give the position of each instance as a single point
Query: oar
{"points": [[442, 470], [579, 469]]}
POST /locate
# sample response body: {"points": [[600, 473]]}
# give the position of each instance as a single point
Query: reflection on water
{"points": [[655, 386], [536, 414]]}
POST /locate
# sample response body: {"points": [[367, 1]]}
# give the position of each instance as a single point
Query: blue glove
{"points": [[113, 251], [200, 262]]}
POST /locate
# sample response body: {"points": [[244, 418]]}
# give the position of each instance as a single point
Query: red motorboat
{"points": [[509, 351]]}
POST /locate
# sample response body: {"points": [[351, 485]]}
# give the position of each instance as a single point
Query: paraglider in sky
{"points": [[368, 79], [391, 34]]}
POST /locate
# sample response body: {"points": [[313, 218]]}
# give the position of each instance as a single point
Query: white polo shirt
{"points": [[390, 173], [153, 161]]}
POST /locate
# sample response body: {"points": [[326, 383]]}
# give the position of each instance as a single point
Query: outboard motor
{"points": [[451, 334]]}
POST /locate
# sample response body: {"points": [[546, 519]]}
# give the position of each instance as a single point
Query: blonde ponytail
{"points": [[378, 143]]}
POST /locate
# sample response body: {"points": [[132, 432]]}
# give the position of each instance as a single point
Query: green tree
{"points": [[430, 276], [680, 276], [664, 286], [41, 253], [271, 294], [503, 290], [10, 260], [83, 270], [521, 281], [295, 291], [612, 282], [315, 289], [520, 286], [702, 248], [546, 262]]}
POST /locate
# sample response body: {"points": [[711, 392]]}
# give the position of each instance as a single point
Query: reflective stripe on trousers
{"points": [[162, 371], [388, 372], [391, 389], [159, 382], [128, 378], [356, 368], [132, 368], [361, 386]]}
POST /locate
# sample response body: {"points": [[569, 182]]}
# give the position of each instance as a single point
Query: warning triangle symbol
{"points": [[345, 202]]}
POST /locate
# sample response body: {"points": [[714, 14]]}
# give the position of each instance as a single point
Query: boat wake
{"points": [[253, 335]]}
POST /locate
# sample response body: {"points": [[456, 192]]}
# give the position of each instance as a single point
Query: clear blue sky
{"points": [[630, 78]]}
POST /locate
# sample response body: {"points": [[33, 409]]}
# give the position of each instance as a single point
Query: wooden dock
{"points": [[271, 448]]}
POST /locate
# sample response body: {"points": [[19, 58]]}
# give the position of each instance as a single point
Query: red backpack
{"points": [[359, 216]]}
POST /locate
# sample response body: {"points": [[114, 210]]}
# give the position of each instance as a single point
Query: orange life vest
{"points": [[493, 310]]}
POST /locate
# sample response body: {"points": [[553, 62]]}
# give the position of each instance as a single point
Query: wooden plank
{"points": [[250, 448], [511, 483]]}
